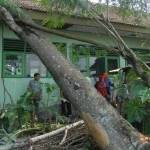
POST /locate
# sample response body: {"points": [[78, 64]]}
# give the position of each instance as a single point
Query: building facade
{"points": [[18, 63]]}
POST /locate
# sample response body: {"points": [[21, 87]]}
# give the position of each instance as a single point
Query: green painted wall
{"points": [[1, 49], [17, 86]]}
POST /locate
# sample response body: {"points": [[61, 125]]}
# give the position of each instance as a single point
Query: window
{"points": [[112, 63], [13, 65], [82, 64], [18, 61], [34, 65], [83, 57]]}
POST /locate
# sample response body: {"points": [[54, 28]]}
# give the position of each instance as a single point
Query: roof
{"points": [[29, 4], [82, 25], [113, 13]]}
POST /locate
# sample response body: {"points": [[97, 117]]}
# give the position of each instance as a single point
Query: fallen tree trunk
{"points": [[121, 135]]}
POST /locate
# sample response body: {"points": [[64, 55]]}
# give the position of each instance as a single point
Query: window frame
{"points": [[113, 58], [4, 55], [85, 54], [23, 54]]}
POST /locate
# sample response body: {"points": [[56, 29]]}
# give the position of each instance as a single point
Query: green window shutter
{"points": [[13, 64], [13, 45], [13, 57]]}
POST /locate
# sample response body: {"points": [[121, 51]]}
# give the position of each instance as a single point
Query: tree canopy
{"points": [[136, 8]]}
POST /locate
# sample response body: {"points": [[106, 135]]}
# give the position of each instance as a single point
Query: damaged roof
{"points": [[113, 13], [29, 4]]}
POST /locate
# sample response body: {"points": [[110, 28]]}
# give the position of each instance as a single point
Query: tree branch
{"points": [[67, 35], [139, 66]]}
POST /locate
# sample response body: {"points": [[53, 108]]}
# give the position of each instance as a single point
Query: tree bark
{"points": [[122, 136]]}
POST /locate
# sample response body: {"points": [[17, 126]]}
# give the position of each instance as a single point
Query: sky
{"points": [[95, 1]]}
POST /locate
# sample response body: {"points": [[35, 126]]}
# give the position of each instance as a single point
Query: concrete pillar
{"points": [[1, 48], [122, 62], [69, 51]]}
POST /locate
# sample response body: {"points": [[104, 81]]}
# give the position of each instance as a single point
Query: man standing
{"points": [[35, 88]]}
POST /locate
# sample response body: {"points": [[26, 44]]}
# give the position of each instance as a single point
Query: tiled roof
{"points": [[113, 13], [29, 4]]}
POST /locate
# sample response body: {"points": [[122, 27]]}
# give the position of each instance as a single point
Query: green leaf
{"points": [[53, 22], [135, 111]]}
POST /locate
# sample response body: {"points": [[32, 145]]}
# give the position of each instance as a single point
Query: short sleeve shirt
{"points": [[35, 87]]}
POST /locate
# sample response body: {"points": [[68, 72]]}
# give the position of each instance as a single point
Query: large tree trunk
{"points": [[119, 135]]}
